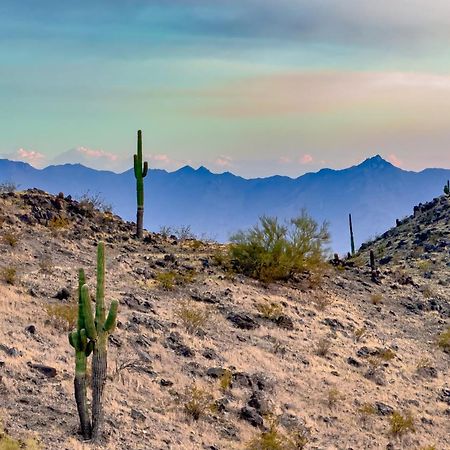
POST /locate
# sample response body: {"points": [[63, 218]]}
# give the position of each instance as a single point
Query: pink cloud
{"points": [[32, 157], [306, 159], [392, 158], [91, 153], [224, 161], [284, 160]]}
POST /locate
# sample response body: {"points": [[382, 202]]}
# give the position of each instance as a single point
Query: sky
{"points": [[254, 87]]}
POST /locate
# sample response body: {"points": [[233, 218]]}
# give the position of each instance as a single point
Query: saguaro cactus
{"points": [[99, 331], [140, 172], [447, 188], [352, 240], [79, 341]]}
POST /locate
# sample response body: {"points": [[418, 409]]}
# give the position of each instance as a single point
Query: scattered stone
{"points": [[243, 321], [383, 409], [137, 415], [175, 343], [48, 371], [216, 372], [63, 294], [251, 416]]}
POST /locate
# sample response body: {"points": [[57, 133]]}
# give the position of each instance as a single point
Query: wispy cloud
{"points": [[32, 157]]}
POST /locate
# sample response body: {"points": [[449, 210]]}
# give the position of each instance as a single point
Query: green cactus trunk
{"points": [[103, 327], [78, 340], [81, 394], [447, 188], [352, 240], [140, 172]]}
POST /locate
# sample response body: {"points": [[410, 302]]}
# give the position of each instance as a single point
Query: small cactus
{"points": [[447, 188], [140, 172]]}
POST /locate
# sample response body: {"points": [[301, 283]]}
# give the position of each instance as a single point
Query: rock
{"points": [[137, 415], [377, 376], [175, 343], [383, 409], [216, 372], [284, 322], [258, 402], [333, 323], [353, 362], [209, 353], [243, 321], [444, 396], [63, 294], [48, 371], [251, 416], [165, 383], [427, 372], [31, 329]]}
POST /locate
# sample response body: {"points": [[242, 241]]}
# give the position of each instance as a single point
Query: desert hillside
{"points": [[206, 359]]}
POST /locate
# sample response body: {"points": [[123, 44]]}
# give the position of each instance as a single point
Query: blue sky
{"points": [[254, 87]]}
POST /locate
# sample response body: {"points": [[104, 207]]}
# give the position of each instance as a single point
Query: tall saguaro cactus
{"points": [[78, 340], [97, 330], [352, 240], [447, 188], [140, 172]]}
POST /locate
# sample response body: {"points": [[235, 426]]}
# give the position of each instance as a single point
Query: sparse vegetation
{"points": [[90, 201], [322, 302], [323, 346], [225, 381], [376, 298], [58, 223], [274, 439], [10, 239], [192, 316], [270, 251], [443, 340], [360, 333], [46, 264], [198, 402], [7, 187], [9, 443], [386, 354], [63, 316], [334, 396], [168, 280], [401, 423], [269, 310], [9, 275]]}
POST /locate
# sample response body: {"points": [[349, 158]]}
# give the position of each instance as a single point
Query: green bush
{"points": [[271, 251]]}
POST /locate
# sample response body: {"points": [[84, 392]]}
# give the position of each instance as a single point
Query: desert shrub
{"points": [[274, 439], [7, 187], [376, 299], [401, 423], [269, 310], [270, 251], [11, 239], [192, 317], [57, 223], [386, 354], [184, 232], [63, 316], [225, 381], [9, 443], [91, 201], [9, 275], [322, 302], [443, 340], [165, 231], [333, 397], [168, 280], [367, 409], [198, 402], [360, 333], [46, 264], [323, 346]]}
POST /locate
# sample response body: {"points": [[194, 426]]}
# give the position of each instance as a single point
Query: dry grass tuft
{"points": [[192, 317], [401, 423], [9, 275], [63, 316], [198, 402]]}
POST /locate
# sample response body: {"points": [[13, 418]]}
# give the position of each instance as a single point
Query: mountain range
{"points": [[375, 192]]}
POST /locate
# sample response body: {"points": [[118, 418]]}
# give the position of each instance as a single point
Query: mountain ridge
{"points": [[218, 205]]}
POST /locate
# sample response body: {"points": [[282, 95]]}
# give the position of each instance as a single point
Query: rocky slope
{"points": [[332, 361]]}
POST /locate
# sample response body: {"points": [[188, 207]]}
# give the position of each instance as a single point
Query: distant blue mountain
{"points": [[217, 205]]}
